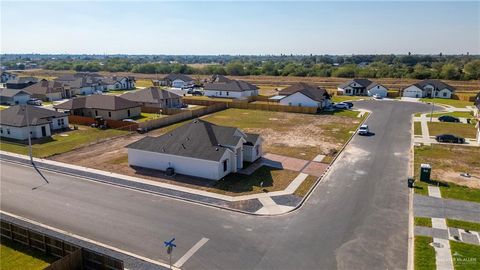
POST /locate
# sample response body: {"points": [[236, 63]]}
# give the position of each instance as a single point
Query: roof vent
{"points": [[188, 139], [216, 149]]}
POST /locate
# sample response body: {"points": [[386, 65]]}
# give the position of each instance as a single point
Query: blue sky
{"points": [[154, 27]]}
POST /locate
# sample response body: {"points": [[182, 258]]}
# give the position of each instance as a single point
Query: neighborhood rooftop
{"points": [[44, 87], [7, 92], [197, 139], [435, 83], [314, 92], [182, 77], [231, 85], [15, 116], [368, 84], [105, 102], [151, 94]]}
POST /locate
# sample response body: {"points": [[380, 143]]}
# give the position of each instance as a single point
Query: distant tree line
{"points": [[459, 67]]}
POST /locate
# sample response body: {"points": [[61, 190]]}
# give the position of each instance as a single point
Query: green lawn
{"points": [[455, 114], [15, 256], [423, 221], [273, 179], [448, 158], [451, 102], [3, 107], [60, 143], [337, 99], [424, 253], [303, 189], [462, 130], [417, 128], [465, 256], [148, 116], [466, 225]]}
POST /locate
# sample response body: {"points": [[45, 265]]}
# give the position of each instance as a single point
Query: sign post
{"points": [[170, 245]]}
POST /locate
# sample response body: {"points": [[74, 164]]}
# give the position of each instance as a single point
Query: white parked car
{"points": [[341, 105], [363, 130], [377, 96]]}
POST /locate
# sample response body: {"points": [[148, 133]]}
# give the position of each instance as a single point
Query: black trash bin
{"points": [[411, 181]]}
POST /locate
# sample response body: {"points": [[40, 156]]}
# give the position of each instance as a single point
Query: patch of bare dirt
{"points": [[456, 178]]}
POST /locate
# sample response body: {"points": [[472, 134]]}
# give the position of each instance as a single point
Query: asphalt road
{"points": [[355, 219]]}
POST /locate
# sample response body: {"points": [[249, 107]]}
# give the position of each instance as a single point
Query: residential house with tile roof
{"points": [[429, 89], [105, 106], [20, 82], [362, 87], [16, 122], [198, 148], [49, 90], [175, 81]]}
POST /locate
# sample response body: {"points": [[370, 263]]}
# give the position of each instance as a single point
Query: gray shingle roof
{"points": [[18, 80], [15, 116], [182, 77], [44, 87], [251, 138], [368, 84], [197, 139], [314, 92], [150, 95], [436, 83], [230, 85], [103, 102], [7, 92]]}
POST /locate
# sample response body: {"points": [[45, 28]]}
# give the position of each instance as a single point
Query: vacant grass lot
{"points": [[337, 99], [143, 83], [459, 129], [422, 221], [465, 256], [264, 179], [424, 253], [455, 114], [14, 256], [466, 225], [451, 102], [292, 134], [61, 142], [448, 161]]}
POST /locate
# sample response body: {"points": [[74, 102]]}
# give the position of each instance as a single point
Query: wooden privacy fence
{"points": [[146, 109], [72, 256], [115, 124], [180, 116], [464, 96]]}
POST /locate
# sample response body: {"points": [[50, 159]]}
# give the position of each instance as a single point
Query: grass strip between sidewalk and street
{"points": [[466, 225], [424, 253], [423, 221]]}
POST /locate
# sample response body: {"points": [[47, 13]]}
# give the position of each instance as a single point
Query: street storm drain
{"points": [[437, 245]]}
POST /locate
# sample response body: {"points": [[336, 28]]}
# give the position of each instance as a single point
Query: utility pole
{"points": [[29, 134]]}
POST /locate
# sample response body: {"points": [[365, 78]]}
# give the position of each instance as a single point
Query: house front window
{"points": [[128, 113], [109, 114], [8, 131], [225, 165], [444, 94]]}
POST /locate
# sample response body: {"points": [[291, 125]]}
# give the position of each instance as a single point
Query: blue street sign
{"points": [[170, 244]]}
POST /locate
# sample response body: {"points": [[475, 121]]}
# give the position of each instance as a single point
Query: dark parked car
{"points": [[449, 138], [448, 118], [350, 104], [197, 93]]}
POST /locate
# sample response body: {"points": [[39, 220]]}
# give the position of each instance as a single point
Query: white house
{"points": [[230, 89], [82, 83], [118, 83], [304, 95], [362, 87], [199, 149], [175, 81], [13, 96], [429, 89], [41, 122], [6, 76]]}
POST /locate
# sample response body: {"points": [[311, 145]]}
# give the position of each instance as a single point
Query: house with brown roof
{"points": [[49, 90], [106, 106], [362, 87], [13, 96], [17, 121], [154, 97], [304, 95], [174, 80], [82, 83], [20, 82], [198, 148], [224, 87], [429, 89]]}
